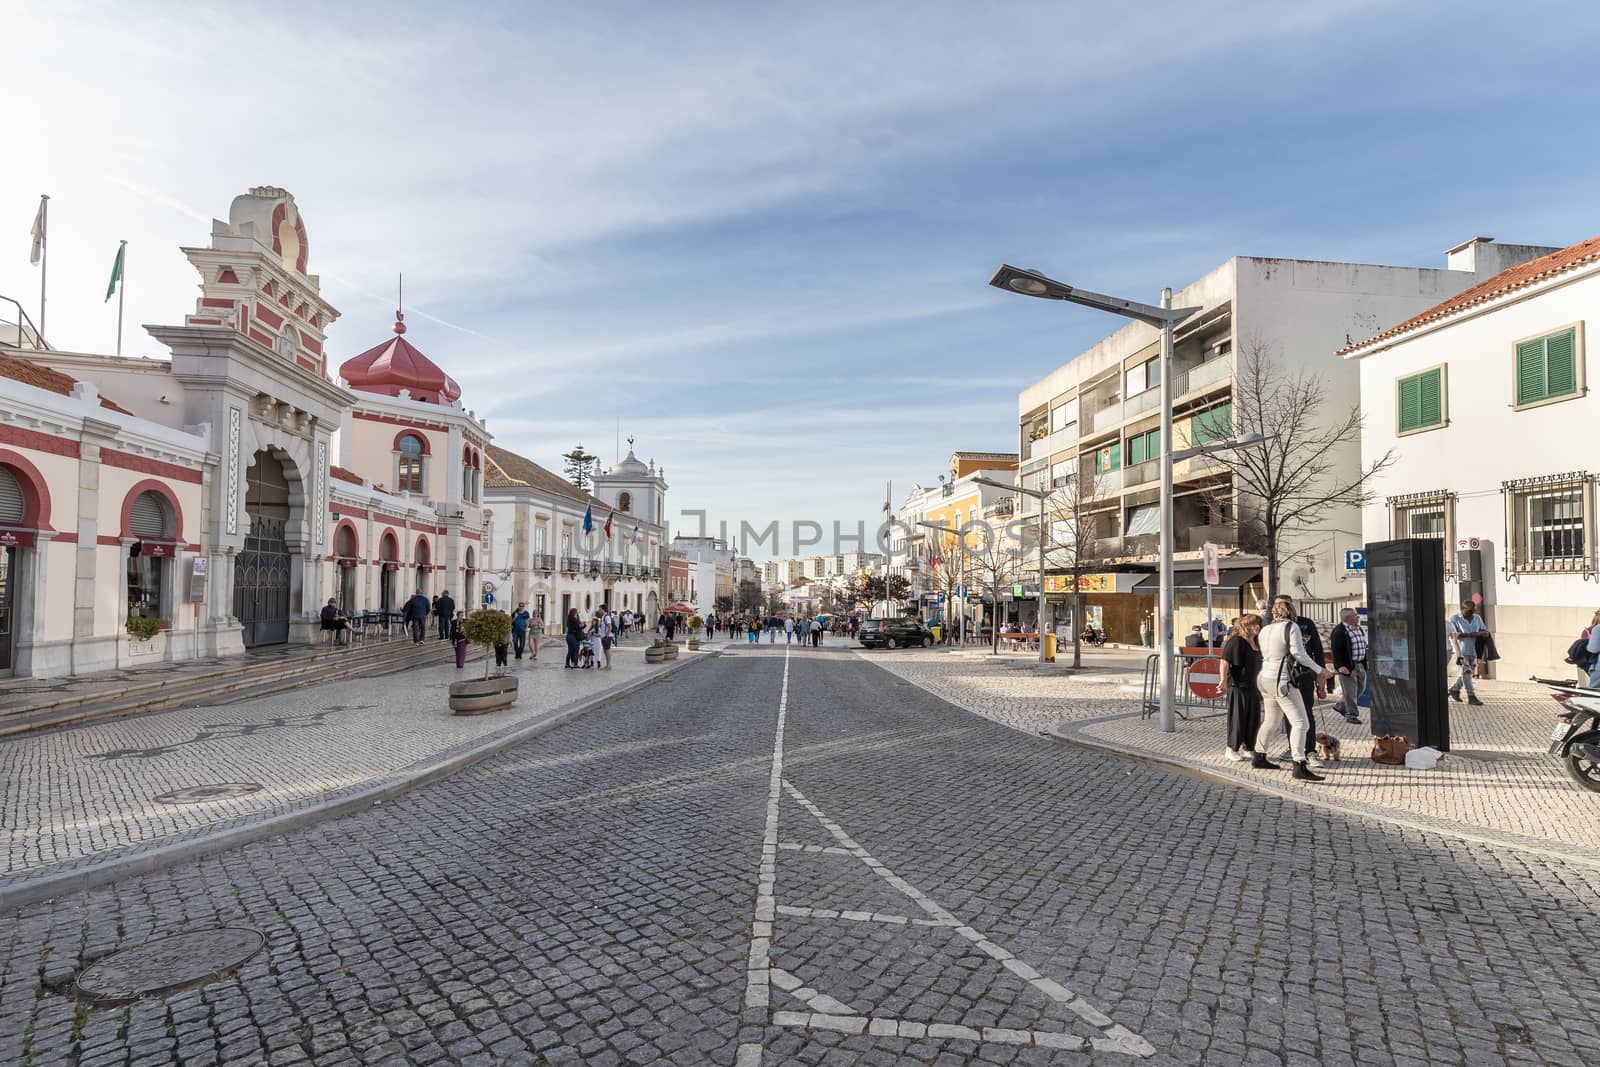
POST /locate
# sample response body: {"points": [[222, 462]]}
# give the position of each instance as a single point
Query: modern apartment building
{"points": [[1097, 418], [1483, 400]]}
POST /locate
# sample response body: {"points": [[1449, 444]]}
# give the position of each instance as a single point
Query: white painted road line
{"points": [[1115, 1038], [758, 975]]}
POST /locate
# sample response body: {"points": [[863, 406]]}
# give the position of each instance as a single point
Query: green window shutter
{"points": [[1116, 456], [1430, 400], [1530, 371], [1136, 449], [1153, 447], [1410, 403], [1213, 425], [1561, 363]]}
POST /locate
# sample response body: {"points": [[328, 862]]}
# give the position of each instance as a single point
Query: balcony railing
{"points": [[1205, 374], [1105, 418], [544, 561], [1144, 401], [1139, 473], [570, 564], [591, 566], [613, 568]]}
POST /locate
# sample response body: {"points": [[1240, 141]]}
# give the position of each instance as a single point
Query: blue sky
{"points": [[759, 236]]}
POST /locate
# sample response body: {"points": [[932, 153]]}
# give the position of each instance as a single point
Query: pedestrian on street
{"points": [[445, 609], [1349, 663], [605, 642], [1282, 643], [1466, 630], [458, 638], [1243, 656], [574, 631], [788, 629], [415, 616], [1589, 662], [816, 634], [535, 633], [519, 629], [1311, 690]]}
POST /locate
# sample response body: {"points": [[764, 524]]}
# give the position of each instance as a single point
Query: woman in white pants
{"points": [[1280, 640]]}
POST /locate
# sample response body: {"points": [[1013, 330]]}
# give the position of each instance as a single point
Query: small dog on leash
{"points": [[1327, 747]]}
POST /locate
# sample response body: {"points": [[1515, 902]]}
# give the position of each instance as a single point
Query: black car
{"points": [[894, 633]]}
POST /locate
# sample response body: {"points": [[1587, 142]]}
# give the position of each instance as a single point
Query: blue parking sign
{"points": [[1355, 559]]}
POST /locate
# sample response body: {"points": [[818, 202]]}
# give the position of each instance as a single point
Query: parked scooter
{"points": [[1576, 739]]}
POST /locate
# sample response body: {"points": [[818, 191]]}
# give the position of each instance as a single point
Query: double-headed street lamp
{"points": [[1039, 495], [1165, 318]]}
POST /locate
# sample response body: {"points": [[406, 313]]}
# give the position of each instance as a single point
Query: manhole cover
{"points": [[197, 794], [168, 964]]}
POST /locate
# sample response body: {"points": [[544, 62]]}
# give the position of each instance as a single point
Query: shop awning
{"points": [[1195, 581]]}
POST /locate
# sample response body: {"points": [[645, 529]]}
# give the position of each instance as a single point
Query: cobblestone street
{"points": [[797, 858]]}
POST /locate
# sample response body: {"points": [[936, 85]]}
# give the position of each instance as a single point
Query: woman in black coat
{"points": [[1243, 655]]}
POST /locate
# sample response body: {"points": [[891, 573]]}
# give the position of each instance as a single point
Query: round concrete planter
{"points": [[671, 651], [479, 696], [656, 653], [694, 644]]}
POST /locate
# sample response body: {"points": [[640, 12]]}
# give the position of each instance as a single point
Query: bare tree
{"points": [[1300, 470], [996, 564], [1072, 544], [944, 561]]}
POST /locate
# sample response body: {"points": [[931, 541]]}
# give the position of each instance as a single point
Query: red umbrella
{"points": [[680, 609]]}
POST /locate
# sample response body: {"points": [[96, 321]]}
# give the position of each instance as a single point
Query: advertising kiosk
{"points": [[1409, 657]]}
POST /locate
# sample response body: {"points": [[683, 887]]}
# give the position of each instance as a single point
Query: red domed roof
{"points": [[396, 365]]}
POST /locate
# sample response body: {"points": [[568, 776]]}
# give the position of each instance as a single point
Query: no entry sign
{"points": [[1208, 677]]}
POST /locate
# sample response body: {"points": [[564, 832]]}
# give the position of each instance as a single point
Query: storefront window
{"points": [[144, 586]]}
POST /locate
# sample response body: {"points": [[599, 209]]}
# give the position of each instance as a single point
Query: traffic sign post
{"points": [[1208, 678], [1212, 559], [1355, 559]]}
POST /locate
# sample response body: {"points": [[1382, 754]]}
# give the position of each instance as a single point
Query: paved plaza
{"points": [[1497, 784], [780, 857], [124, 788]]}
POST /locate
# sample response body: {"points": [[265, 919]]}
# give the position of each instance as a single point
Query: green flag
{"points": [[116, 273]]}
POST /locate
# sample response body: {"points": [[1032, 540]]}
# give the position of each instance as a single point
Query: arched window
{"points": [[149, 517], [625, 502], [13, 502], [408, 477]]}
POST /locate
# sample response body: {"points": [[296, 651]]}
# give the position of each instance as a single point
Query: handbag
{"points": [[1390, 749], [1300, 675]]}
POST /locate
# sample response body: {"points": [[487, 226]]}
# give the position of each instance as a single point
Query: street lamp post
{"points": [[962, 542], [1165, 318], [1040, 495]]}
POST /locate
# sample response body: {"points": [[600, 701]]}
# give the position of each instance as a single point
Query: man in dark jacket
{"points": [[444, 609], [1313, 690], [1349, 663], [415, 615]]}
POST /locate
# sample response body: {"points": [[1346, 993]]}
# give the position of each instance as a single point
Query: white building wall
{"points": [[1484, 443]]}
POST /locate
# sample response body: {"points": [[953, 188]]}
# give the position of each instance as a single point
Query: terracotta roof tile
{"points": [[507, 470], [28, 372], [1509, 280], [345, 475]]}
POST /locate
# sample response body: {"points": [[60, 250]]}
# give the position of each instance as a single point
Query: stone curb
{"points": [[1067, 734], [31, 890]]}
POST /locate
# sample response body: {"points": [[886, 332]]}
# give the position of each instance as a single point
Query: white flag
{"points": [[635, 534], [38, 236]]}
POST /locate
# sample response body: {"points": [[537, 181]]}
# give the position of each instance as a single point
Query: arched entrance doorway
{"points": [[422, 558], [13, 513], [261, 573], [389, 551], [471, 596], [348, 553]]}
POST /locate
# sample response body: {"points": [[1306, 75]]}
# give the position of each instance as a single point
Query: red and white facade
{"points": [[230, 491]]}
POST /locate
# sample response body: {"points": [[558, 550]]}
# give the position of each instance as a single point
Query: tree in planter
{"points": [[1307, 463], [489, 627]]}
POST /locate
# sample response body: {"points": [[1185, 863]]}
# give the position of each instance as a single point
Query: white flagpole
{"points": [[44, 257], [122, 291]]}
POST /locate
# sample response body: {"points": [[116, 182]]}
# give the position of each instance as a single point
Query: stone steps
{"points": [[256, 674]]}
